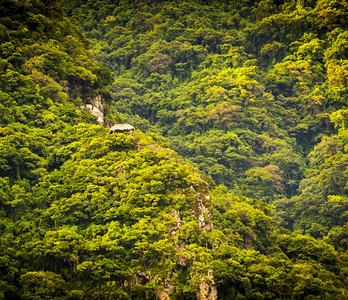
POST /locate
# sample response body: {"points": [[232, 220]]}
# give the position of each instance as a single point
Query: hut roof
{"points": [[121, 127]]}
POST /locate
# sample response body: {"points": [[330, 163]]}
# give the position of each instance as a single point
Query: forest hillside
{"points": [[254, 93], [234, 184]]}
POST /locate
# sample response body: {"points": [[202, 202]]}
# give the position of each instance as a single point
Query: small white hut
{"points": [[117, 128]]}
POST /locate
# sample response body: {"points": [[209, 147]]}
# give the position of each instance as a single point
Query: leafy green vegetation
{"points": [[235, 87], [247, 91], [236, 187]]}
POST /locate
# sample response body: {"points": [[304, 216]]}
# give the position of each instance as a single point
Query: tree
{"points": [[43, 285]]}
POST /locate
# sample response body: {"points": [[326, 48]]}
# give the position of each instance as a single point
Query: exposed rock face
{"points": [[166, 293], [137, 278], [207, 288], [203, 207], [204, 217], [163, 294], [179, 222], [96, 108]]}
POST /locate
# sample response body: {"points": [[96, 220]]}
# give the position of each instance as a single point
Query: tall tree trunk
{"points": [[18, 172]]}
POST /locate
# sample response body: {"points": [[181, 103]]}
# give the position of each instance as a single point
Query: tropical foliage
{"points": [[235, 188]]}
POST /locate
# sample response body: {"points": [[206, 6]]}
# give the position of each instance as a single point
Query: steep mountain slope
{"points": [[81, 209], [268, 71], [85, 214], [247, 90]]}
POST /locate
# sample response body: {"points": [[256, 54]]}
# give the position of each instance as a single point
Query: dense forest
{"points": [[233, 186]]}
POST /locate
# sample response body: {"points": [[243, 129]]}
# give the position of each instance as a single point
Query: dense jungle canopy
{"points": [[233, 186]]}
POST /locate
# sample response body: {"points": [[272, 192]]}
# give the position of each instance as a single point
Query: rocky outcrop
{"points": [[203, 207], [204, 217], [166, 293], [137, 278], [176, 216], [207, 288], [96, 107]]}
